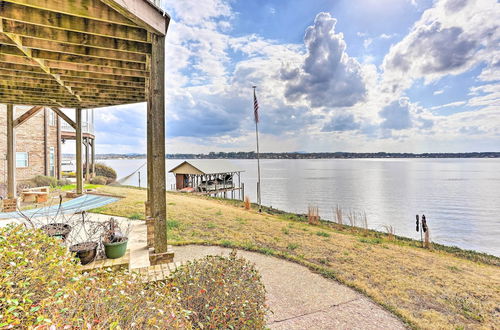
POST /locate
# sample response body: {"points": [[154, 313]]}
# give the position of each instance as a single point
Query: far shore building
{"points": [[215, 177], [39, 138]]}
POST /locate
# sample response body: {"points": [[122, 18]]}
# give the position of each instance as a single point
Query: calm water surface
{"points": [[460, 197]]}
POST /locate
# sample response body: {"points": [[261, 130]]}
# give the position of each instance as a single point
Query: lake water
{"points": [[460, 197]]}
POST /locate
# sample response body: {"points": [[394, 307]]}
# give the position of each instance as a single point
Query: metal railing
{"points": [[87, 127]]}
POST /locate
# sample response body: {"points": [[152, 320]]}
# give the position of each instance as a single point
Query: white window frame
{"points": [[26, 160], [52, 118]]}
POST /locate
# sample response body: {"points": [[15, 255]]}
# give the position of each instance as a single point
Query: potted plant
{"points": [[60, 230], [85, 238], [86, 251], [115, 239]]}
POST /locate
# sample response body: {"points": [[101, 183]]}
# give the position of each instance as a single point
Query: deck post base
{"points": [[9, 205], [161, 258], [150, 229]]}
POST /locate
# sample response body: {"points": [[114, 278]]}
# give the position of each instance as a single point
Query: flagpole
{"points": [[259, 201]]}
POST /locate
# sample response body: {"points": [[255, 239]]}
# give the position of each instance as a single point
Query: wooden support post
{"points": [[156, 131], [11, 153], [149, 144], [93, 157], [59, 151], [46, 141], [87, 159], [79, 174]]}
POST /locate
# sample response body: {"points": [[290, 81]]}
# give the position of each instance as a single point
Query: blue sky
{"points": [[358, 75]]}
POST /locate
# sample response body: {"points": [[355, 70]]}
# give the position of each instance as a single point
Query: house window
{"points": [[52, 118], [52, 166], [22, 159]]}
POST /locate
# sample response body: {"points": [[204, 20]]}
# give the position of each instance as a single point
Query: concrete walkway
{"points": [[301, 299]]}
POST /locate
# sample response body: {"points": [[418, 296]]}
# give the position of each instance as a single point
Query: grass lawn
{"points": [[443, 288]]}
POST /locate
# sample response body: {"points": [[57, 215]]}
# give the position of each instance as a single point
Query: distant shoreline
{"points": [[298, 155]]}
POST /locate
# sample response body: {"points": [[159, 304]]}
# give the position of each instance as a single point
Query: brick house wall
{"points": [[30, 139]]}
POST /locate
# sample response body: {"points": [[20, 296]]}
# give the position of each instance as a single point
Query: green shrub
{"points": [[105, 171], [110, 299], [101, 180], [42, 286], [63, 182], [69, 174], [322, 233], [44, 181], [33, 267], [223, 293]]}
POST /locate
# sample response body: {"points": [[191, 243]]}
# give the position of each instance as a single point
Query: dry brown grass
{"points": [[426, 288]]}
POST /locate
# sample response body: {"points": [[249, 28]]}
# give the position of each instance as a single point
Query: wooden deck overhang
{"points": [[77, 53], [87, 54]]}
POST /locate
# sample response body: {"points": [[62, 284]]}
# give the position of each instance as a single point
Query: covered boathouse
{"points": [[209, 177], [87, 54]]}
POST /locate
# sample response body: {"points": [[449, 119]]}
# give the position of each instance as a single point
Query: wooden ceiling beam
{"points": [[30, 71], [27, 115], [56, 67], [41, 63], [64, 66], [92, 9], [79, 59], [15, 12], [75, 38], [61, 114], [70, 49], [59, 96], [52, 88], [142, 13], [47, 83], [18, 100], [14, 50]]}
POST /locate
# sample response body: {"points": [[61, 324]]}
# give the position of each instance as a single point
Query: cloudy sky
{"points": [[332, 75]]}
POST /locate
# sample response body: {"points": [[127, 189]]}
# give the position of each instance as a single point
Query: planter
{"points": [[86, 251], [60, 230], [115, 250]]}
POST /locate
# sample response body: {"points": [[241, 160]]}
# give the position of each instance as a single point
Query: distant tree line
{"points": [[304, 155]]}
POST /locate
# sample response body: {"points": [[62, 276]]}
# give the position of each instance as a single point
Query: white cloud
{"points": [[448, 105], [438, 92], [450, 38], [387, 36], [328, 76], [367, 43]]}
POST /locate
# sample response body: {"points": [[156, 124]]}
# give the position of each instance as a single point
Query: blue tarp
{"points": [[82, 203]]}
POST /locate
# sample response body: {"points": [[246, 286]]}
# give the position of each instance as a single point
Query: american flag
{"points": [[255, 107]]}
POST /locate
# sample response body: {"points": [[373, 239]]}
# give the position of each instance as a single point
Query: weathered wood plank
{"points": [[156, 97], [70, 49], [47, 83], [11, 153], [27, 115], [79, 168], [92, 9], [41, 63], [74, 38], [69, 62], [79, 59], [62, 115], [142, 13], [58, 66], [36, 16]]}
